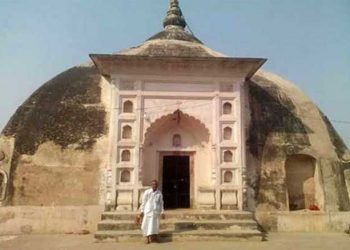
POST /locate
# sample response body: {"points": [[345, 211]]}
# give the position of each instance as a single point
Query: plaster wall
{"points": [[49, 220], [50, 176], [304, 221]]}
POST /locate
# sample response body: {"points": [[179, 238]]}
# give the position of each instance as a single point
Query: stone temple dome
{"points": [[55, 148]]}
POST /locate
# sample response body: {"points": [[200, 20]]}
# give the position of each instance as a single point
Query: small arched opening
{"points": [[176, 140], [128, 107], [125, 176], [227, 108], [228, 176], [228, 156], [127, 132], [227, 133], [300, 177], [126, 155]]}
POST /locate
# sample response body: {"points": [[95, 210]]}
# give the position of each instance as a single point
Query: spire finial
{"points": [[174, 16]]}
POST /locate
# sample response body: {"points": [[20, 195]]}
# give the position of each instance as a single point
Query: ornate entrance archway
{"points": [[172, 136]]}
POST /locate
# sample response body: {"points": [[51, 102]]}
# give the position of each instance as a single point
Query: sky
{"points": [[305, 41]]}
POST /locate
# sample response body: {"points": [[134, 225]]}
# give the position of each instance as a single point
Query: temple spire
{"points": [[174, 16]]}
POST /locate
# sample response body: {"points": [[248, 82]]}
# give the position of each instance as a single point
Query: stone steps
{"points": [[183, 215], [191, 235], [182, 225]]}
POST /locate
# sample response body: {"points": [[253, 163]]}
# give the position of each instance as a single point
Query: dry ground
{"points": [[278, 241]]}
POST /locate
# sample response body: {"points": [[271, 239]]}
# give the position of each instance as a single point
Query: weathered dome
{"points": [[73, 94], [276, 95]]}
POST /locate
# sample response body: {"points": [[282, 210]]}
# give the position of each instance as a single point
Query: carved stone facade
{"points": [[156, 115]]}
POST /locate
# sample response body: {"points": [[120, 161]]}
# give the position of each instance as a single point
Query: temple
{"points": [[218, 133]]}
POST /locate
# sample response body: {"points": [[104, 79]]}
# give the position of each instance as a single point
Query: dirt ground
{"points": [[280, 241]]}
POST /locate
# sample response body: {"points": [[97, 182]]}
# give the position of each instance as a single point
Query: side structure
{"points": [[296, 160]]}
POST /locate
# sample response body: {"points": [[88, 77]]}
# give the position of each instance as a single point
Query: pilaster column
{"points": [[138, 139], [110, 172]]}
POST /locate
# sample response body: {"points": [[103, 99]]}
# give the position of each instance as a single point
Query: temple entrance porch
{"points": [[177, 153]]}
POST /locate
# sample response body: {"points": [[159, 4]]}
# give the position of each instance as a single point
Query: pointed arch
{"points": [[128, 107], [227, 108], [228, 176], [228, 156], [227, 133], [125, 176], [127, 132], [177, 140], [174, 133], [126, 155], [173, 118]]}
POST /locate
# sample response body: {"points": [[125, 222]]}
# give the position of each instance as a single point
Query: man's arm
{"points": [[144, 200]]}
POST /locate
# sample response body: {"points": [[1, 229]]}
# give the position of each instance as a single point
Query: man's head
{"points": [[154, 185]]}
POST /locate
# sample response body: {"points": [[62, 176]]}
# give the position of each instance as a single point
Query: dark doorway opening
{"points": [[176, 182], [300, 173]]}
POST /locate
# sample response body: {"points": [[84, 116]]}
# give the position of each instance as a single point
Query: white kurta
{"points": [[152, 207]]}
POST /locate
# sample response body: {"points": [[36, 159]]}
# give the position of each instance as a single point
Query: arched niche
{"points": [[126, 155], [227, 108], [227, 133], [228, 176], [127, 132], [300, 177], [3, 185], [125, 176], [128, 107], [228, 156], [176, 140]]}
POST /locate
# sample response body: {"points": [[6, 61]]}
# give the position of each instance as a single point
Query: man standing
{"points": [[151, 209]]}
